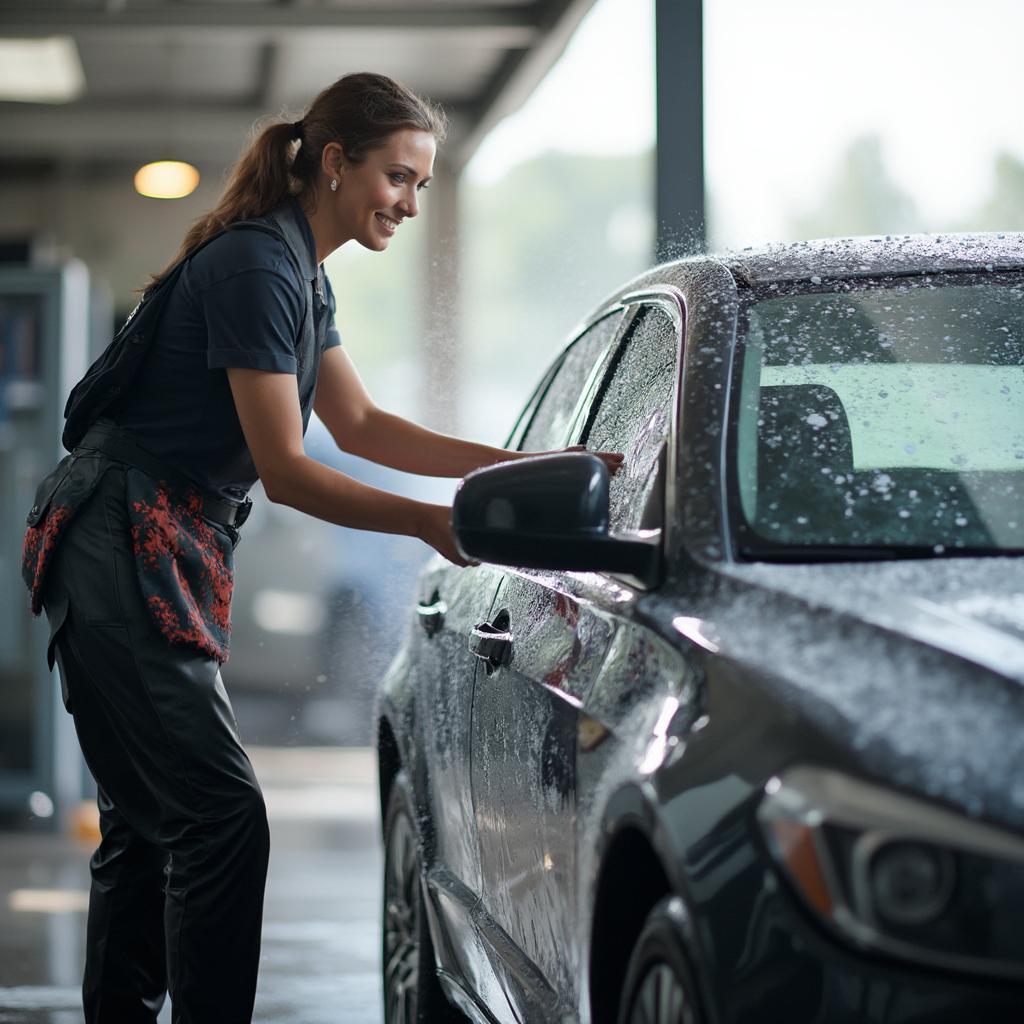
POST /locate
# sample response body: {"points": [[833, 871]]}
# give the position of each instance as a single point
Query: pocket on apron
{"points": [[184, 564], [58, 498]]}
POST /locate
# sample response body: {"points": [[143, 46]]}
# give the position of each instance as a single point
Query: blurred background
{"points": [[589, 138]]}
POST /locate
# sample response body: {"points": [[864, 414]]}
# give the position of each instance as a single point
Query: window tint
{"points": [[554, 414], [634, 415]]}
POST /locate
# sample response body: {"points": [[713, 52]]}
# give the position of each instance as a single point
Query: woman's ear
{"points": [[332, 160]]}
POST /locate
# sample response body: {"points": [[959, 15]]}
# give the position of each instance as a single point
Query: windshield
{"points": [[882, 415]]}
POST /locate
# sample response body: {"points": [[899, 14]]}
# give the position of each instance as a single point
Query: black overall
{"points": [[134, 573]]}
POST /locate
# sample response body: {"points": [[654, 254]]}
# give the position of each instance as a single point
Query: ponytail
{"points": [[359, 111]]}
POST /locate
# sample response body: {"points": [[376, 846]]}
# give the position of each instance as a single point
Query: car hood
{"points": [[914, 670], [971, 608]]}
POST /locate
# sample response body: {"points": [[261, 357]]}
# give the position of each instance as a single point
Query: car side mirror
{"points": [[547, 512]]}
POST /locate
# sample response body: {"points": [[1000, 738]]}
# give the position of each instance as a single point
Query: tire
{"points": [[412, 993], [659, 986]]}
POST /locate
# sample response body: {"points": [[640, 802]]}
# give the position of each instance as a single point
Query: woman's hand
{"points": [[436, 530], [613, 460]]}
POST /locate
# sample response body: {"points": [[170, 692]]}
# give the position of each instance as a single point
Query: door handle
{"points": [[431, 614], [491, 642]]}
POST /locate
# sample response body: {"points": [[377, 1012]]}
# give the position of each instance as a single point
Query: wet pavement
{"points": [[320, 959]]}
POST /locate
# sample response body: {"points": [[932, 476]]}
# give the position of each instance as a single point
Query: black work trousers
{"points": [[177, 881]]}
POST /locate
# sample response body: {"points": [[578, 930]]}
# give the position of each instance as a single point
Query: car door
{"points": [[527, 715], [453, 604]]}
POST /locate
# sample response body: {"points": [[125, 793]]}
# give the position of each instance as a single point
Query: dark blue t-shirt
{"points": [[238, 302]]}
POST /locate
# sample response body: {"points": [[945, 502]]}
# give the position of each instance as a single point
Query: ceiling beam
{"points": [[86, 131], [500, 26], [126, 132]]}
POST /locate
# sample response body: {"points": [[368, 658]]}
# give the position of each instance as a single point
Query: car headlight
{"points": [[897, 874]]}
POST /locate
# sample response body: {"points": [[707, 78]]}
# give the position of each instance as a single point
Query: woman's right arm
{"points": [[268, 409]]}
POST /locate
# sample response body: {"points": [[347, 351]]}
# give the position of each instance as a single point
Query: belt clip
{"points": [[242, 513]]}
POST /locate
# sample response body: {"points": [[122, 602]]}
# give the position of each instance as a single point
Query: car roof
{"points": [[867, 256]]}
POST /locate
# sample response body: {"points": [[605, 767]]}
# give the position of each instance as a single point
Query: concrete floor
{"points": [[320, 960]]}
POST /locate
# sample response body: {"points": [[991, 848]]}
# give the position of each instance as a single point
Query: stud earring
{"points": [[334, 184]]}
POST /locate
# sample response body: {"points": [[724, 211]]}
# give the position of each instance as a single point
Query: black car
{"points": [[736, 735]]}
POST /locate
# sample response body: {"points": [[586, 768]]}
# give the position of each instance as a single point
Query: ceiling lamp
{"points": [[40, 70], [166, 179]]}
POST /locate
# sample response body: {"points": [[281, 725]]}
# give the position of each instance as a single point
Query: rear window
{"points": [[883, 415]]}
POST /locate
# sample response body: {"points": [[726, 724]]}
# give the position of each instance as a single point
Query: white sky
{"points": [[788, 83], [583, 105]]}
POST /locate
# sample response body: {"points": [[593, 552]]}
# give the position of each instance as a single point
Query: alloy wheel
{"points": [[660, 998], [401, 924]]}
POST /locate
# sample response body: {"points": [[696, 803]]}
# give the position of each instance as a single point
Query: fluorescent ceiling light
{"points": [[166, 179], [40, 70]]}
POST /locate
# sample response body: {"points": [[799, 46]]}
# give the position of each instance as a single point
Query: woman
{"points": [[130, 542]]}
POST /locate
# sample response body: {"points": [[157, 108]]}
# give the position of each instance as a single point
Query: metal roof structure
{"points": [[189, 78]]}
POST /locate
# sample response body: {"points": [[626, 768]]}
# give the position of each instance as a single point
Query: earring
{"points": [[334, 184]]}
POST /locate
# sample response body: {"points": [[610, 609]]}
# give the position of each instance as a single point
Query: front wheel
{"points": [[412, 994], [659, 987]]}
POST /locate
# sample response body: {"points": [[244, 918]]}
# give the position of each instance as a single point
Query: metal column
{"points": [[679, 171]]}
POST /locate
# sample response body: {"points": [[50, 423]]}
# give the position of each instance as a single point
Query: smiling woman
{"points": [[363, 123], [376, 194], [208, 387]]}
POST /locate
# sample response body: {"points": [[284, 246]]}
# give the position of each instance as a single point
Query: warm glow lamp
{"points": [[166, 179]]}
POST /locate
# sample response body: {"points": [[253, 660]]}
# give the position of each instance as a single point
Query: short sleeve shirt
{"points": [[240, 301]]}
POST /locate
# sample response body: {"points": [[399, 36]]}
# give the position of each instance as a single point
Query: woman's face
{"points": [[375, 196]]}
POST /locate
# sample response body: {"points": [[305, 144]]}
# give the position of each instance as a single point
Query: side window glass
{"points": [[554, 414], [633, 415]]}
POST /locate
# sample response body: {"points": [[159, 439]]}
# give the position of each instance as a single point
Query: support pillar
{"points": [[679, 171], [440, 344]]}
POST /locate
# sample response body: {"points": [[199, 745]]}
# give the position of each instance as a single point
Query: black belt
{"points": [[118, 445]]}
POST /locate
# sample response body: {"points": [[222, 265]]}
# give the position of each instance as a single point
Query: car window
{"points": [[885, 414], [633, 416], [554, 415]]}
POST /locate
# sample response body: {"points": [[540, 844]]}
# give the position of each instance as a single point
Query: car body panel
{"points": [[525, 723], [457, 601], [916, 697]]}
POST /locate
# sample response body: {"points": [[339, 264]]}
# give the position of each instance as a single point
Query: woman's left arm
{"points": [[360, 427]]}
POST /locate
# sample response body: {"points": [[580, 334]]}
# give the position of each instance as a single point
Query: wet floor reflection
{"points": [[320, 960]]}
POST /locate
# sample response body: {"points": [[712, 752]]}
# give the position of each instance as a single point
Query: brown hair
{"points": [[359, 111]]}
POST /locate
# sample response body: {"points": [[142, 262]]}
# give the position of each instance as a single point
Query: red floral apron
{"points": [[184, 563]]}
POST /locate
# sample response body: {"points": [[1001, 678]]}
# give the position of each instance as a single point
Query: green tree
{"points": [[861, 199], [1004, 209], [543, 245]]}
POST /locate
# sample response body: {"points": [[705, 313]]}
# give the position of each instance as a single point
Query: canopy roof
{"points": [[188, 79]]}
